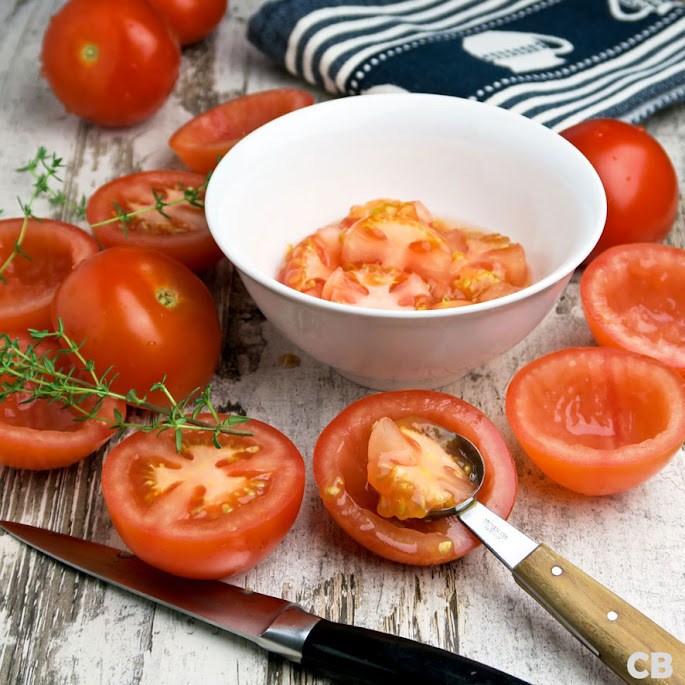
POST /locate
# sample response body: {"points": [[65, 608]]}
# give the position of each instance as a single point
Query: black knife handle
{"points": [[351, 654]]}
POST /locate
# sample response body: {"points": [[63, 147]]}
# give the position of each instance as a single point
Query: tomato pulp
{"points": [[180, 232], [202, 141], [597, 420], [340, 468], [204, 512], [633, 297], [112, 62], [51, 249], [40, 434], [389, 254], [638, 178], [144, 314]]}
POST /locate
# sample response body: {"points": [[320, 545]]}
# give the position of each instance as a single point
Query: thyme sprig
{"points": [[190, 195], [44, 168], [41, 375]]}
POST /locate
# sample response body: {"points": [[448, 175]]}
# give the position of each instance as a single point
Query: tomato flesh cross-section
{"points": [[204, 512], [180, 230]]}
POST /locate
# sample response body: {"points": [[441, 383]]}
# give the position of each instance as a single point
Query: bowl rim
{"points": [[563, 271]]}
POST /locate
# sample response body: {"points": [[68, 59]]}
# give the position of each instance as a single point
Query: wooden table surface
{"points": [[57, 626]]}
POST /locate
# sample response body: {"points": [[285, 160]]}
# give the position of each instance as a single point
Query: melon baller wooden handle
{"points": [[628, 642], [605, 623]]}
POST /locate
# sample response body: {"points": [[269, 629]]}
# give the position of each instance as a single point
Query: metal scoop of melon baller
{"points": [[610, 628]]}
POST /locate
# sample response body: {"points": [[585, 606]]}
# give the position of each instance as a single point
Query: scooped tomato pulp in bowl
{"points": [[389, 254], [469, 163]]}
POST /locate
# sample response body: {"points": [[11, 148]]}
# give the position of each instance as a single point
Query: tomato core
{"points": [[90, 53], [166, 297], [204, 483]]}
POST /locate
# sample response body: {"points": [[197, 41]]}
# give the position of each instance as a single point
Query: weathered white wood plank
{"points": [[59, 627]]}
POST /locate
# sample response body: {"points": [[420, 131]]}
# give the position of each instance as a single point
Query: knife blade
{"points": [[340, 652]]}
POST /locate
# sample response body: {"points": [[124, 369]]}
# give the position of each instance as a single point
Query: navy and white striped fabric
{"points": [[556, 61]]}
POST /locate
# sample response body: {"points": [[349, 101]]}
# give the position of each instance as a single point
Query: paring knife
{"points": [[340, 652]]}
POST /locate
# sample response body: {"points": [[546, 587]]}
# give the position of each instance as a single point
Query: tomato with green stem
{"points": [[341, 460], [597, 420], [164, 211], [40, 434], [204, 512], [112, 62], [49, 251], [203, 140], [147, 316]]}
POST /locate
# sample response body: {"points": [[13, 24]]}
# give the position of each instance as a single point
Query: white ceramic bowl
{"points": [[465, 161]]}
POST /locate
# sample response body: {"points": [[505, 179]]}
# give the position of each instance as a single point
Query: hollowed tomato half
{"points": [[201, 141], [597, 420], [204, 512], [40, 434], [49, 252], [634, 298], [340, 468]]}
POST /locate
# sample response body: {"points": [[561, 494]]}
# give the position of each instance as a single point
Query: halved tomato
{"points": [[634, 298], [597, 420], [341, 458], [204, 512], [210, 135], [181, 231], [40, 434], [51, 249]]}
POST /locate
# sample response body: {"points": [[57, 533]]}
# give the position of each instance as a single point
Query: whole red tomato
{"points": [[638, 177], [191, 20], [113, 62], [145, 315]]}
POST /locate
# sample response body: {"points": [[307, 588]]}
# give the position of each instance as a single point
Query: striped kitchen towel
{"points": [[556, 61]]}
